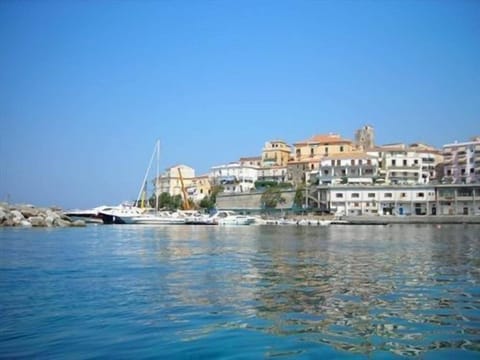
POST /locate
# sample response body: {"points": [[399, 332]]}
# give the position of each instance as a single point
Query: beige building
{"points": [[170, 182], [322, 145], [199, 187], [276, 153]]}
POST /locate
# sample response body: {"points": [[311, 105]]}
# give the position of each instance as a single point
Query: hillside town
{"points": [[347, 177]]}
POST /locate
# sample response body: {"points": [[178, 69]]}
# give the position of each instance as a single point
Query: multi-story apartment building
{"points": [[322, 145], [273, 173], [383, 200], [462, 162], [171, 180], [401, 164], [275, 153], [354, 167], [234, 177], [199, 187]]}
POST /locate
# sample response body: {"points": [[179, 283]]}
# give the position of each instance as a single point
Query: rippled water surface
{"points": [[240, 292]]}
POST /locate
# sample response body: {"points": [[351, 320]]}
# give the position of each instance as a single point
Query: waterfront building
{"points": [[353, 167], [462, 162], [322, 145], [199, 187], [365, 137], [381, 200], [171, 180], [276, 153], [234, 177], [401, 164], [458, 199], [273, 173]]}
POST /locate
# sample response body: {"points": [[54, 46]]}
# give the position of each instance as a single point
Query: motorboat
{"points": [[225, 217], [88, 215], [119, 214], [155, 218]]}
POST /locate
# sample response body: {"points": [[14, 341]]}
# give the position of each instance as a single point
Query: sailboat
{"points": [[138, 213]]}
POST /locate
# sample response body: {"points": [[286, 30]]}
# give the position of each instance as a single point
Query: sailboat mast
{"points": [[142, 188], [157, 175]]}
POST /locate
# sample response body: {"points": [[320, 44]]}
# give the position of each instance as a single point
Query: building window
{"points": [[341, 148], [352, 162], [339, 195], [403, 195], [420, 194], [394, 162], [404, 162], [388, 195], [355, 195], [415, 161], [371, 195], [360, 162], [325, 172]]}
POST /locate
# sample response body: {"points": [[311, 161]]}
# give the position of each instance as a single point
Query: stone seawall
{"points": [[251, 201], [30, 216]]}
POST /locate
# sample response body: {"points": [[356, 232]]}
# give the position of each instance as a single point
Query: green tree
{"points": [[299, 198], [209, 202], [272, 197]]}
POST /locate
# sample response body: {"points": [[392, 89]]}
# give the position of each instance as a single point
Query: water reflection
{"points": [[406, 290]]}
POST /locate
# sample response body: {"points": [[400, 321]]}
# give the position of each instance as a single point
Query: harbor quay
{"points": [[373, 204]]}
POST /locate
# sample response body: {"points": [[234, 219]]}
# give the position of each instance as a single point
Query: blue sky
{"points": [[87, 87]]}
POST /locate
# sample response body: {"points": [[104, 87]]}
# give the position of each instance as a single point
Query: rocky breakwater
{"points": [[30, 216]]}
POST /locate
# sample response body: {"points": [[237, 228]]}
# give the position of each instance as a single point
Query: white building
{"points": [[273, 173], [382, 200], [234, 177], [353, 167], [401, 164], [462, 162]]}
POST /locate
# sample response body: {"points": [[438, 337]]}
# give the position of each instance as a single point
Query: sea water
{"points": [[246, 292]]}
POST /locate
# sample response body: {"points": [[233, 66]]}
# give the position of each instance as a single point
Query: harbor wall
{"points": [[251, 202]]}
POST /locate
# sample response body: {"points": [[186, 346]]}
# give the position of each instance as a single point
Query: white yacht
{"points": [[152, 217], [225, 217]]}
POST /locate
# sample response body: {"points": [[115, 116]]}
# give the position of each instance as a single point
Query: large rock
{"points": [[79, 223], [17, 215], [51, 217], [25, 223], [62, 223], [29, 211], [37, 221], [3, 215]]}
